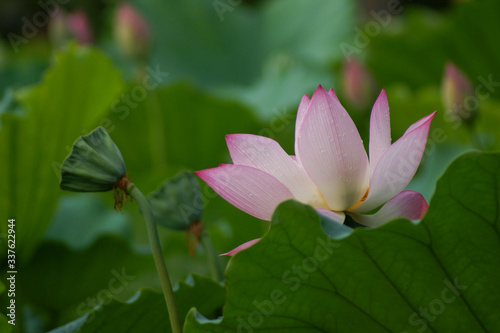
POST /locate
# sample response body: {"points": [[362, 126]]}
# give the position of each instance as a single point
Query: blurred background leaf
{"points": [[81, 218], [146, 311], [414, 49], [81, 279], [69, 101]]}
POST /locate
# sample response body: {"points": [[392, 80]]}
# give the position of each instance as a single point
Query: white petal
{"points": [[267, 155], [408, 204], [251, 190], [331, 151], [397, 166], [380, 130]]}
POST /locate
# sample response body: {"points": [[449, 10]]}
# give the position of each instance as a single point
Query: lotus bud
{"points": [[131, 31], [456, 90], [358, 83], [79, 25], [95, 164], [65, 27]]}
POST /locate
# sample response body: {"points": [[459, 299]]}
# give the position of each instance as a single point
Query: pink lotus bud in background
{"points": [[131, 31], [359, 86], [457, 94], [79, 25], [65, 27]]}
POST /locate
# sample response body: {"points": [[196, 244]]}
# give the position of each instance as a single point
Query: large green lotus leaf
{"points": [[64, 283], [146, 312], [414, 48], [72, 99], [441, 274]]}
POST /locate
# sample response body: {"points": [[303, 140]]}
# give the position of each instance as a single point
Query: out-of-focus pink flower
{"points": [[359, 84], [131, 31], [455, 88], [64, 27], [330, 170], [79, 25]]}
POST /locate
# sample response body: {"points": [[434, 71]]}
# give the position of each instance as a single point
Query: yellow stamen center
{"points": [[357, 204]]}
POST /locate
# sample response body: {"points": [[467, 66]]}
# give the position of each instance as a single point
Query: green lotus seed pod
{"points": [[177, 203], [94, 164]]}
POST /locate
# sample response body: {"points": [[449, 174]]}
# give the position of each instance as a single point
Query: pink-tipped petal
{"points": [[251, 190], [240, 248], [301, 112], [267, 155], [380, 130], [419, 122], [332, 94], [304, 104], [336, 216], [397, 166], [408, 204], [331, 151]]}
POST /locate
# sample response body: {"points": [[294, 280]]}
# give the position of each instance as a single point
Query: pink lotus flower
{"points": [[331, 170]]}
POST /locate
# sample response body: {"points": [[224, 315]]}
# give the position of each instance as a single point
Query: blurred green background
{"points": [[169, 79]]}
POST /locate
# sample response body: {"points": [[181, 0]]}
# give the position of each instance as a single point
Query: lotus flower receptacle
{"points": [[95, 164], [177, 202], [177, 205]]}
